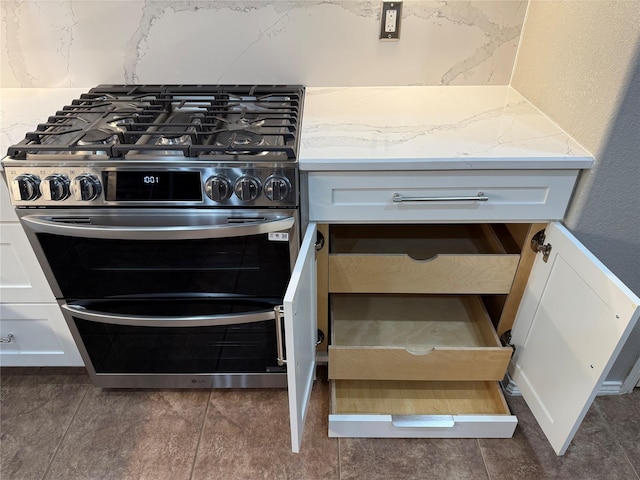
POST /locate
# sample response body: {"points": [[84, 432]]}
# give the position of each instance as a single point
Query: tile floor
{"points": [[55, 425]]}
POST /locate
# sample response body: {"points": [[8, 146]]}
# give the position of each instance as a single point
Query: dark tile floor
{"points": [[55, 425]]}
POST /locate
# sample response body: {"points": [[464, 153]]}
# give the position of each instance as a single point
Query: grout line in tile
{"points": [[486, 469], [339, 459], [66, 430], [197, 449], [615, 438]]}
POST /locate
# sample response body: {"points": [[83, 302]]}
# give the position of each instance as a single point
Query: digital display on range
{"points": [[153, 185]]}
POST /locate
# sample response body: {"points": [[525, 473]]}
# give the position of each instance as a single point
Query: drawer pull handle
{"points": [[399, 198], [419, 353], [279, 310], [8, 339], [423, 421]]}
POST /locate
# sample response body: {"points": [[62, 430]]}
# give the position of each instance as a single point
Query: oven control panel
{"points": [[152, 185]]}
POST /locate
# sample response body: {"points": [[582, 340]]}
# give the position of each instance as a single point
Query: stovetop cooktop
{"points": [[250, 123]]}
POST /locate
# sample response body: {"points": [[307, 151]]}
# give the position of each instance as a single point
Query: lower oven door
{"points": [[197, 342]]}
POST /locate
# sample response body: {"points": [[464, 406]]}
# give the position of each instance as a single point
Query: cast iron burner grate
{"points": [[241, 122]]}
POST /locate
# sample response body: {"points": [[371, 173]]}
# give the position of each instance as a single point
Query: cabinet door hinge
{"points": [[538, 245], [505, 339], [319, 241]]}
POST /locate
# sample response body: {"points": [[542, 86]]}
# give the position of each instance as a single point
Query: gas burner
{"points": [[244, 138], [167, 139], [122, 121], [233, 140], [250, 120], [99, 137], [179, 129], [246, 115]]}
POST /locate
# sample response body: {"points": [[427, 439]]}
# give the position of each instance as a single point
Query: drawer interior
{"points": [[416, 398], [414, 337], [413, 322], [430, 259], [422, 242]]}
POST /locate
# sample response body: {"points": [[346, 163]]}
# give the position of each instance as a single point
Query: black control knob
{"points": [[218, 188], [25, 187], [247, 188], [277, 188], [85, 187], [55, 187]]}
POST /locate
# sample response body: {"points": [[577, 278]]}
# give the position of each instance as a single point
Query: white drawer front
{"points": [[36, 335], [444, 196], [422, 426]]}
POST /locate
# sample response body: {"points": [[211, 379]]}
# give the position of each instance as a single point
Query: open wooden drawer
{"points": [[566, 283], [414, 337], [422, 259], [364, 408]]}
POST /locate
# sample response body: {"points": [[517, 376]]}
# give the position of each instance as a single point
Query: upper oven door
{"points": [[116, 253]]}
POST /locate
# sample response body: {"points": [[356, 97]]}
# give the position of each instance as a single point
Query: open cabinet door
{"points": [[300, 334], [574, 317]]}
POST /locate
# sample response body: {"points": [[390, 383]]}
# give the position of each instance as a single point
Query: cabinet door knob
{"points": [[8, 339]]}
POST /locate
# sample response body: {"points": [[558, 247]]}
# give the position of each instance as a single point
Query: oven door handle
{"points": [[81, 312], [69, 227]]}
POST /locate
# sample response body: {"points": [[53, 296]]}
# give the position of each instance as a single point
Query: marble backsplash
{"points": [[80, 43]]}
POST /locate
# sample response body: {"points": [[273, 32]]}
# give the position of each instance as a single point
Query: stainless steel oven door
{"points": [[170, 343], [111, 253]]}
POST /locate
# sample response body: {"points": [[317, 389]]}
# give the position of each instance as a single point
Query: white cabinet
{"points": [[574, 317], [573, 320], [301, 335], [21, 279], [32, 329]]}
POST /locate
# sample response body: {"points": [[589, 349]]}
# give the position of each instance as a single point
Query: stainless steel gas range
{"points": [[166, 219]]}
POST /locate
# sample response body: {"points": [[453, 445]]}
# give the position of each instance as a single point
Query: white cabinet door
{"points": [[21, 277], [300, 334], [36, 335], [7, 214], [573, 320]]}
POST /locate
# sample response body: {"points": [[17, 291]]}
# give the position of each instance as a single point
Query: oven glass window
{"points": [[240, 348], [102, 268]]}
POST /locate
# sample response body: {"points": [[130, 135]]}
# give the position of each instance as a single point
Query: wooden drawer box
{"points": [[361, 408], [414, 337], [421, 259]]}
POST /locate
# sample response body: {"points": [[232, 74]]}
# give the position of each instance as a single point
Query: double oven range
{"points": [[166, 219]]}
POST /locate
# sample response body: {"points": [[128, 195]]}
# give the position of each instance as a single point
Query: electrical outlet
{"points": [[390, 20]]}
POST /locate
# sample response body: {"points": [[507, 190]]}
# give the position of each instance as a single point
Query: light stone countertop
{"points": [[381, 128], [431, 128]]}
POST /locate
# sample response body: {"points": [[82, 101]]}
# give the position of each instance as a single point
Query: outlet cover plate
{"points": [[390, 20]]}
